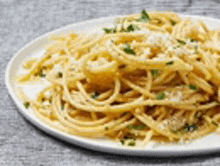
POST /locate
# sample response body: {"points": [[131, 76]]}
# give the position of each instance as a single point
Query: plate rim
{"points": [[76, 140]]}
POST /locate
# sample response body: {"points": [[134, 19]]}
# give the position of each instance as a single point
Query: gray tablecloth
{"points": [[22, 21]]}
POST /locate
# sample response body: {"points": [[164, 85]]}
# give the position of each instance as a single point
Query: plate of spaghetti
{"points": [[139, 84]]}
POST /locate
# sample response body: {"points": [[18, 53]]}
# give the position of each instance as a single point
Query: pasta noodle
{"points": [[153, 77]]}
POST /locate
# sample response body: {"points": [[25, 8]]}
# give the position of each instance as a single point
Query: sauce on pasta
{"points": [[154, 76]]}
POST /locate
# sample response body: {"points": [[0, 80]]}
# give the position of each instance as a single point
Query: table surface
{"points": [[21, 21]]}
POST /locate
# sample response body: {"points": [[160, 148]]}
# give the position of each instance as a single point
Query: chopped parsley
{"points": [[26, 104], [136, 127], [139, 127], [62, 107], [196, 49], [128, 49], [193, 87], [176, 47], [215, 123], [189, 128], [155, 73], [132, 143], [192, 40], [60, 74], [144, 17], [95, 95], [122, 141], [185, 129], [130, 126], [181, 42], [173, 22], [129, 136], [170, 63], [161, 96], [123, 30], [132, 27], [124, 113], [109, 30], [174, 131], [41, 73], [106, 128]]}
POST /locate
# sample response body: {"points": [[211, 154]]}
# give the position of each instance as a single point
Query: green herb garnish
{"points": [[193, 40], [181, 42], [155, 73], [161, 96], [122, 141], [196, 49], [129, 136], [193, 87], [173, 22], [109, 30], [132, 27], [215, 123], [174, 131], [176, 47], [130, 127], [106, 128], [124, 113], [128, 49], [123, 30], [136, 127], [41, 73], [189, 128], [26, 104], [62, 107], [139, 127], [132, 143], [144, 17], [170, 63], [95, 95], [60, 74]]}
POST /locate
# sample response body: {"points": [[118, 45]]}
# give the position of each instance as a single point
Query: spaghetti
{"points": [[154, 76]]}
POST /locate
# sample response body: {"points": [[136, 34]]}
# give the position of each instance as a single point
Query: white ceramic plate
{"points": [[207, 144]]}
